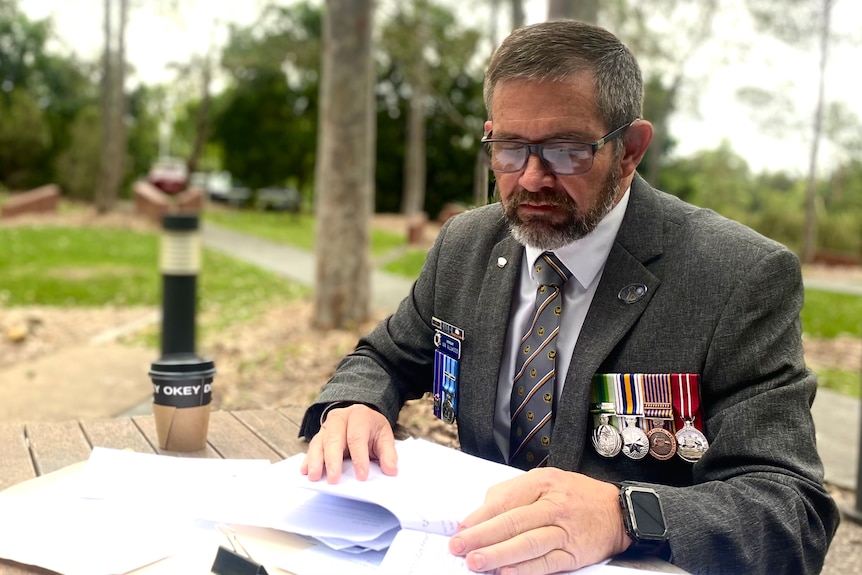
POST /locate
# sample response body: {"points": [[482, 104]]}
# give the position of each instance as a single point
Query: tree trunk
{"points": [[517, 14], [202, 119], [105, 112], [413, 199], [583, 10], [113, 153], [809, 246], [344, 172]]}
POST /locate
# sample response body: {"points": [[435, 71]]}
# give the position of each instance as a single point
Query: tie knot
{"points": [[550, 270]]}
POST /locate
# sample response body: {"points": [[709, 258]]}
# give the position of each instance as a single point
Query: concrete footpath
{"points": [[837, 417]]}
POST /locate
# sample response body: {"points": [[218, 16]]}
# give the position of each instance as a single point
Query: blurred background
{"points": [[115, 111], [752, 99]]}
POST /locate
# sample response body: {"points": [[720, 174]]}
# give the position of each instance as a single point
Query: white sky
{"points": [[158, 35]]}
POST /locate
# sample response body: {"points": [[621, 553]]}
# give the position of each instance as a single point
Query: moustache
{"points": [[548, 198]]}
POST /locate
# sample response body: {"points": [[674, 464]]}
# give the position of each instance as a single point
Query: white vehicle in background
{"points": [[222, 188]]}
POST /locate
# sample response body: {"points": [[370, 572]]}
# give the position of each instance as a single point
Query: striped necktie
{"points": [[532, 404]]}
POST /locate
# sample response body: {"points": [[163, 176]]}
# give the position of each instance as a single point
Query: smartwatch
{"points": [[643, 518]]}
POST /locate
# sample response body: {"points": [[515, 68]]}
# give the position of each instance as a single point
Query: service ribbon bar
{"points": [[658, 403], [686, 399]]}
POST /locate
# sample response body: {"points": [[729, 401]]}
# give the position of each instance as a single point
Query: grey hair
{"points": [[555, 51]]}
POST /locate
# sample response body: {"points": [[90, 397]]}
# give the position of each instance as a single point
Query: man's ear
{"points": [[636, 140], [487, 127]]}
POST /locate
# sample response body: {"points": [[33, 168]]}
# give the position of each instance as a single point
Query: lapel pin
{"points": [[632, 293], [501, 262]]}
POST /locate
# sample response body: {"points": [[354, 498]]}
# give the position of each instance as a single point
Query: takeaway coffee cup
{"points": [[182, 393]]}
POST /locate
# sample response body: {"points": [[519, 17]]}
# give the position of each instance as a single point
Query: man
{"points": [[670, 304]]}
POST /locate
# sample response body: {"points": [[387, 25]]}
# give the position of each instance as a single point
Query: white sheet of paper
{"points": [[222, 490], [319, 559], [422, 495], [322, 515], [46, 523], [418, 553]]}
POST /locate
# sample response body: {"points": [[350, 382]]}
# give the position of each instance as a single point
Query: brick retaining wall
{"points": [[39, 200]]}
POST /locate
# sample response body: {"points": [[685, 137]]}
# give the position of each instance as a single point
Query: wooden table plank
{"points": [[233, 440], [121, 433], [16, 463], [294, 413], [57, 444], [13, 568], [274, 428], [147, 425]]}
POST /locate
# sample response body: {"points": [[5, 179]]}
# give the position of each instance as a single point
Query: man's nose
{"points": [[535, 175]]}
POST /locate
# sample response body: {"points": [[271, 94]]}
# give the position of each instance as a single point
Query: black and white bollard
{"points": [[182, 380]]}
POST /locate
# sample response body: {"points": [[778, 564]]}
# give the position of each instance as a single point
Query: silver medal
{"points": [[691, 443], [606, 438], [635, 441]]}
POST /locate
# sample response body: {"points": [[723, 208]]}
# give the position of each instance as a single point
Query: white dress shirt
{"points": [[585, 258]]}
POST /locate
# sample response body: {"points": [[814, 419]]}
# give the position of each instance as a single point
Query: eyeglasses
{"points": [[562, 158]]}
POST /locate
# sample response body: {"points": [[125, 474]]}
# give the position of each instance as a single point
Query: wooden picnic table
{"points": [[29, 450]]}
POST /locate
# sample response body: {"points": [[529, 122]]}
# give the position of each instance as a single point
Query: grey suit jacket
{"points": [[722, 301]]}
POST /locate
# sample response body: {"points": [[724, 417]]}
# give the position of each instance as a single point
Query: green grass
{"points": [[828, 314], [100, 267], [292, 229], [409, 265], [840, 381], [77, 267]]}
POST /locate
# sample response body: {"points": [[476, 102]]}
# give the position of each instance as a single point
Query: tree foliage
{"points": [[265, 122], [24, 139], [453, 107], [40, 95]]}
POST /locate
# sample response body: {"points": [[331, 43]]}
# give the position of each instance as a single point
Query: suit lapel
{"points": [[609, 317], [492, 318]]}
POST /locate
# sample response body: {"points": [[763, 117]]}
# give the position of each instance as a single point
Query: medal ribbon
{"points": [[629, 388], [603, 397], [657, 396], [686, 399]]}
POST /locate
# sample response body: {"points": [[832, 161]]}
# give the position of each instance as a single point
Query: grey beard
{"points": [[535, 232]]}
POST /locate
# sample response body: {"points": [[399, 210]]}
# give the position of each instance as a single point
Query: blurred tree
{"points": [[344, 172], [265, 121], [78, 165], [518, 16], [24, 139], [664, 35], [425, 59], [803, 22], [58, 86], [718, 179], [145, 111], [583, 10], [113, 107]]}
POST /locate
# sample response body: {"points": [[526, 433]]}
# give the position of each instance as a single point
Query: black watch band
{"points": [[643, 518]]}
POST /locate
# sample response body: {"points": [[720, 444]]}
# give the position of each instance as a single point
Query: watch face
{"points": [[646, 509]]}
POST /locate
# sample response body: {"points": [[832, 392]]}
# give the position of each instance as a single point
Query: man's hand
{"points": [[544, 521], [355, 431]]}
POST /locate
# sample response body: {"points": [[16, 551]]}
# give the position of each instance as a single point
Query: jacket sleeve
{"points": [[391, 364], [757, 503]]}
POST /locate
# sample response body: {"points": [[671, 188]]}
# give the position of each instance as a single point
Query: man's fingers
{"points": [[359, 435], [515, 525], [312, 465], [384, 447], [332, 435], [511, 494]]}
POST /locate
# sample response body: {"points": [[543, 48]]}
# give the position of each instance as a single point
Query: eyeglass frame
{"points": [[538, 149]]}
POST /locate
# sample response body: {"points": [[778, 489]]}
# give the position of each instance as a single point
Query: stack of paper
{"points": [[127, 512]]}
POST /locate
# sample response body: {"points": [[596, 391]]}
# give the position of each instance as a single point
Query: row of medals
{"points": [[689, 442]]}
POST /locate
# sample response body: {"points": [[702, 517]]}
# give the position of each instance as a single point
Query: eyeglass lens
{"points": [[563, 158]]}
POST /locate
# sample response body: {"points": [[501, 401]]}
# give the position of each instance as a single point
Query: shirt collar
{"points": [[586, 257]]}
